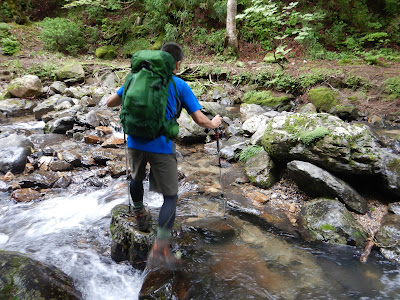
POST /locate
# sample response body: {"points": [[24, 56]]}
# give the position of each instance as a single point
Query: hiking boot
{"points": [[142, 219], [161, 257]]}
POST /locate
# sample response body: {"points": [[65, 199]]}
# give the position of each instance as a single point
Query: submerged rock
{"points": [[22, 277]]}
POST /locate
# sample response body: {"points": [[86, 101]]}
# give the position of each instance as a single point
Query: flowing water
{"points": [[71, 231]]}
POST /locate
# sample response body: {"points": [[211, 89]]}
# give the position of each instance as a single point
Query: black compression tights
{"points": [[167, 212]]}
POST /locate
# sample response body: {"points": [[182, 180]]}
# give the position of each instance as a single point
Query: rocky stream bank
{"points": [[318, 174]]}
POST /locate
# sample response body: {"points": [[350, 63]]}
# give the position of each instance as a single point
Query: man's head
{"points": [[174, 49]]}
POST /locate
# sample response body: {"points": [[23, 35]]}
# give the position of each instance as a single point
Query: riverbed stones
{"points": [[25, 87], [260, 170], [14, 151], [39, 179], [328, 220], [71, 73], [317, 182], [22, 277]]}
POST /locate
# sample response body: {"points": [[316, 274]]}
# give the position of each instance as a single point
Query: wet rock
{"points": [[26, 87], [40, 179], [46, 140], [17, 107], [4, 186], [213, 108], [87, 101], [394, 208], [117, 169], [61, 125], [93, 139], [231, 147], [96, 118], [260, 170], [70, 157], [388, 237], [329, 221], [44, 162], [128, 243], [25, 195], [14, 151], [112, 142], [317, 182], [71, 73], [189, 131], [105, 129], [213, 229], [166, 284], [45, 107], [59, 165], [63, 182], [22, 277]]}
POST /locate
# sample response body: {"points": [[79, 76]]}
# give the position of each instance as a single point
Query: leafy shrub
{"points": [[10, 45], [4, 30], [171, 33], [248, 152], [43, 70], [134, 45], [61, 35], [392, 87], [211, 40]]}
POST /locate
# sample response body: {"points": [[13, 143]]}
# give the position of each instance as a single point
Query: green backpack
{"points": [[144, 100]]}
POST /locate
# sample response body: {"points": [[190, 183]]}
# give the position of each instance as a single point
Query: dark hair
{"points": [[174, 49]]}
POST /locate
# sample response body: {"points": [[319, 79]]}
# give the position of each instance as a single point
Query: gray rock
{"points": [[251, 125], [329, 221], [388, 237], [17, 107], [40, 179], [249, 110], [71, 73], [259, 169], [394, 208], [189, 131], [25, 87], [317, 182], [61, 125], [14, 151], [58, 87], [213, 108], [22, 277], [347, 112], [46, 106], [231, 147], [308, 108]]}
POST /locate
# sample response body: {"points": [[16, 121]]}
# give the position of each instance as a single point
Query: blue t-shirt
{"points": [[188, 101]]}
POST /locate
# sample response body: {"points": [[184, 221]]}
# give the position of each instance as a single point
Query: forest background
{"points": [[340, 32]]}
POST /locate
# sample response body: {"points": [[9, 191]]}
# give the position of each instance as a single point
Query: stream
{"points": [[70, 229]]}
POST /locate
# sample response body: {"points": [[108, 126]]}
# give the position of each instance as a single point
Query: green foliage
{"points": [[4, 30], [171, 33], [313, 135], [212, 40], [106, 52], [248, 152], [61, 35], [45, 71], [134, 45], [392, 87], [10, 45]]}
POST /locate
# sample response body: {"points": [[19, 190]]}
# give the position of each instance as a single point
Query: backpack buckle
{"points": [[146, 65]]}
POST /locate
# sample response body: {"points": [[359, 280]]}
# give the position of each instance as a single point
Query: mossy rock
{"points": [[106, 52], [265, 98], [323, 98]]}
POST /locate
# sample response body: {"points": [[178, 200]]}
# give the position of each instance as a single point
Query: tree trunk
{"points": [[231, 38]]}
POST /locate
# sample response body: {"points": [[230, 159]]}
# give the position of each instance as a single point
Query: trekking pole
{"points": [[127, 172], [220, 171]]}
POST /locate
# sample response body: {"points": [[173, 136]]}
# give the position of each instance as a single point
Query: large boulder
{"points": [[25, 87], [189, 131], [329, 221], [259, 170], [317, 182], [333, 145], [22, 277], [14, 151]]}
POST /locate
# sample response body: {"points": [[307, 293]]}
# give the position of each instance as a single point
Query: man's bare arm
{"points": [[202, 120], [114, 100]]}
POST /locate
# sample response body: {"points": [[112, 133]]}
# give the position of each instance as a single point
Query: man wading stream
{"points": [[158, 151]]}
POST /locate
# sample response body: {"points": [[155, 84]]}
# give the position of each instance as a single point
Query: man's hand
{"points": [[202, 120]]}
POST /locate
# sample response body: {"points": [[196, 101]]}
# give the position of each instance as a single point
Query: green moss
{"points": [[327, 227], [394, 166], [323, 98], [311, 136], [264, 98], [106, 52]]}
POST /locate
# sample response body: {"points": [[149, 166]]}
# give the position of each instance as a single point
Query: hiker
{"points": [[160, 153]]}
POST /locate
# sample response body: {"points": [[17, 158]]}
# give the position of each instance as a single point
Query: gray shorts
{"points": [[163, 170]]}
